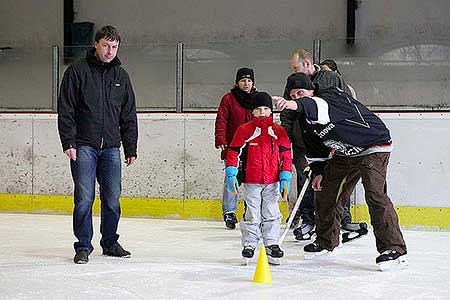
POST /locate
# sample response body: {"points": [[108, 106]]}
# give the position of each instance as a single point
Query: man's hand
{"points": [[130, 160], [222, 147], [317, 183], [71, 153], [284, 104]]}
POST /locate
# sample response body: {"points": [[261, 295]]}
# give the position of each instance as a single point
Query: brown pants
{"points": [[342, 174]]}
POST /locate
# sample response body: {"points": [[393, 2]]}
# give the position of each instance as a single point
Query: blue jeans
{"points": [[229, 200], [105, 166]]}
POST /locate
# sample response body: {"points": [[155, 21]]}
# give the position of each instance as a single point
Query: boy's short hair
{"points": [[107, 32]]}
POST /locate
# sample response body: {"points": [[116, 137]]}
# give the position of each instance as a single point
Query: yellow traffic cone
{"points": [[262, 272]]}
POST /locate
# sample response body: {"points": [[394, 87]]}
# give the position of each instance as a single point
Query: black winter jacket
{"points": [[323, 79], [96, 106], [334, 121]]}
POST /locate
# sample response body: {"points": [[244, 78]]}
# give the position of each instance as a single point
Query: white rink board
{"points": [[179, 149], [419, 168]]}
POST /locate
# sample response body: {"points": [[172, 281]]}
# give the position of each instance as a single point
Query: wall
{"points": [[31, 24], [30, 28], [177, 158], [399, 60], [177, 162], [202, 20]]}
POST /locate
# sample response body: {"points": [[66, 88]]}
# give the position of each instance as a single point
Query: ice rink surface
{"points": [[183, 259]]}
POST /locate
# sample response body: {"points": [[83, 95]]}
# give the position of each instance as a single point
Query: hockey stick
{"points": [[296, 206]]}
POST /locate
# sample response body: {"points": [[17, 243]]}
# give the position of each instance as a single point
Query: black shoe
{"points": [[248, 252], [116, 250], [314, 249], [304, 232], [274, 251], [81, 257], [230, 220], [391, 258], [355, 226], [353, 231]]}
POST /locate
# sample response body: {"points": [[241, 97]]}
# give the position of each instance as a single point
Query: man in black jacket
{"points": [[96, 114], [353, 142], [302, 62]]}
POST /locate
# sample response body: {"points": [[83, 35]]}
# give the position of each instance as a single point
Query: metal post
{"points": [[351, 19], [179, 82], [55, 77], [317, 48]]}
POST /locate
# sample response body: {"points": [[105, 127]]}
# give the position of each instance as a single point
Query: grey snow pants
{"points": [[262, 215]]}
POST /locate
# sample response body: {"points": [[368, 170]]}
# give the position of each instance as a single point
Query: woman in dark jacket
{"points": [[234, 110]]}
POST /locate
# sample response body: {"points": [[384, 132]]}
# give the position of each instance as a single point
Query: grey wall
{"points": [[177, 159], [202, 20], [30, 28], [400, 58], [31, 24]]}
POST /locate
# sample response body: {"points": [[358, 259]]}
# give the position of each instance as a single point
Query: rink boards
{"points": [[179, 173]]}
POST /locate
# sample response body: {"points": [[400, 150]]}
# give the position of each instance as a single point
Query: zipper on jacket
{"points": [[103, 106]]}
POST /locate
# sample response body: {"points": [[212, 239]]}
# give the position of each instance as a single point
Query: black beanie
{"points": [[331, 64], [262, 99], [299, 81], [245, 73]]}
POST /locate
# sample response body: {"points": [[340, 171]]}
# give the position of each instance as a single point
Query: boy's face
{"points": [[262, 112]]}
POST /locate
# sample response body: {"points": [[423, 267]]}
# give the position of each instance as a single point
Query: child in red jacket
{"points": [[262, 150]]}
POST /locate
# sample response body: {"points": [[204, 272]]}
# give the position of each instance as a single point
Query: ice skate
{"points": [[230, 220], [353, 231], [391, 260], [305, 232], [274, 254], [294, 223], [313, 250], [247, 254]]}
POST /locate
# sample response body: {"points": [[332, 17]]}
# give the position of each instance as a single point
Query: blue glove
{"points": [[285, 183], [232, 183]]}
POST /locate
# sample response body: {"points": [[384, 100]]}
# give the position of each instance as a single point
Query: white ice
{"points": [[183, 259]]}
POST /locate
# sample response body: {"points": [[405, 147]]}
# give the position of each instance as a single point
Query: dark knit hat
{"points": [[262, 99], [299, 81], [330, 64], [245, 73]]}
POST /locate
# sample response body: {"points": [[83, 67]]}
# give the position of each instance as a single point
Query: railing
{"points": [[193, 76]]}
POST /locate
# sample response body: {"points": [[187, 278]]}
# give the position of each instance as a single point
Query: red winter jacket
{"points": [[262, 150], [230, 116]]}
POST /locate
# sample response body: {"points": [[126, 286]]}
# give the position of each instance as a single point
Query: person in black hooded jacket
{"points": [[354, 142], [96, 115], [302, 62]]}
